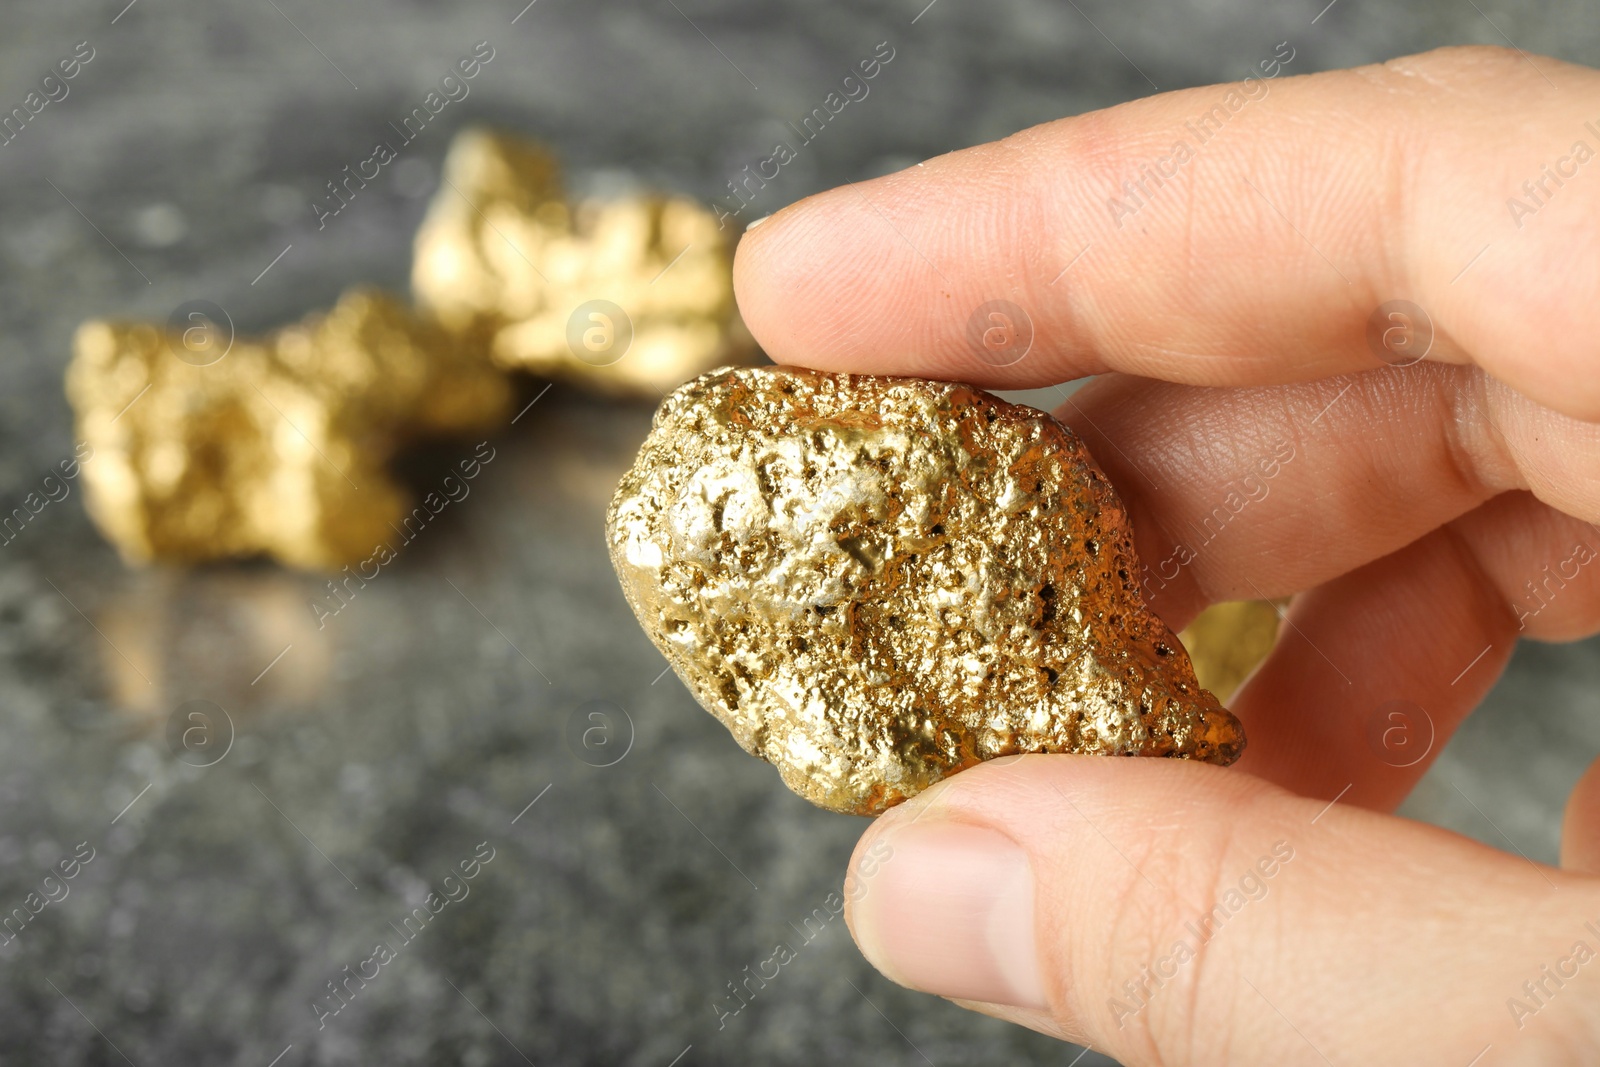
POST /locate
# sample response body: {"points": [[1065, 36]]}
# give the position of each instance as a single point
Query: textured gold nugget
{"points": [[631, 296], [206, 447], [877, 582]]}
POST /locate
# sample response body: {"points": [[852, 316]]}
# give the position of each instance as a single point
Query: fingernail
{"points": [[753, 223], [950, 912]]}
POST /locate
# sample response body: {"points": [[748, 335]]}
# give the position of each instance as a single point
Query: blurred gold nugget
{"points": [[208, 447], [630, 297], [877, 582], [1228, 641]]}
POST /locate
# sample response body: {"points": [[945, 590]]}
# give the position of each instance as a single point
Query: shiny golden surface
{"points": [[502, 247], [876, 582], [279, 446], [1228, 641]]}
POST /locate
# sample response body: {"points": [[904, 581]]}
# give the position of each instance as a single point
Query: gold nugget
{"points": [[207, 447], [629, 297], [1227, 641], [877, 582]]}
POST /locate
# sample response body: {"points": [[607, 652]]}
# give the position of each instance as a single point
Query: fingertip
{"points": [[759, 275], [950, 911], [818, 281]]}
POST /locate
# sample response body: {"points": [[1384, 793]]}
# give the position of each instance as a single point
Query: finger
{"points": [[1337, 487], [1259, 492], [1170, 912], [1259, 258], [1580, 828], [1374, 671], [1541, 564]]}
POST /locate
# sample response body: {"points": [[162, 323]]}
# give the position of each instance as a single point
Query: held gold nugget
{"points": [[877, 582]]}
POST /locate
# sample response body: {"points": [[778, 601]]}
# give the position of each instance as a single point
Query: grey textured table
{"points": [[375, 754]]}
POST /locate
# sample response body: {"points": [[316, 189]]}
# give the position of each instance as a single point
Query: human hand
{"points": [[1416, 512]]}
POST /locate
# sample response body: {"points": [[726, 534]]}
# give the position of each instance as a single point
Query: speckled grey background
{"points": [[379, 751]]}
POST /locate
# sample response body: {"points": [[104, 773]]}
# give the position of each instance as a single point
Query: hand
{"points": [[1169, 912]]}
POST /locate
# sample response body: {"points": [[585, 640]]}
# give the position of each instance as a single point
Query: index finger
{"points": [[1227, 235]]}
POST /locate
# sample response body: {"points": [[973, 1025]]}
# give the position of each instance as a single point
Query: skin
{"points": [[1223, 318]]}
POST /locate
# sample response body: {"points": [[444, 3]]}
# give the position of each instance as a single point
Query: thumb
{"points": [[1172, 912]]}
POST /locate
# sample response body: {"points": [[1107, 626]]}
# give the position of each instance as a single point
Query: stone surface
{"points": [[409, 729], [206, 446], [877, 582], [629, 295]]}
